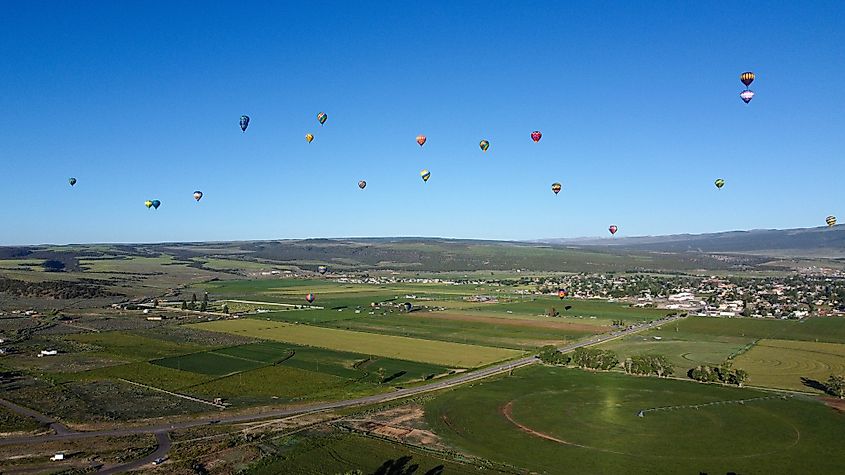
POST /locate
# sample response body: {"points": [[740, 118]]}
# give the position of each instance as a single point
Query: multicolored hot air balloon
{"points": [[536, 135], [244, 122], [747, 78], [362, 184], [425, 174], [561, 294], [198, 195], [421, 139], [72, 181], [746, 95], [613, 228], [309, 138], [322, 117], [148, 203], [310, 298], [322, 269], [556, 187], [720, 183], [156, 204], [830, 220], [484, 145]]}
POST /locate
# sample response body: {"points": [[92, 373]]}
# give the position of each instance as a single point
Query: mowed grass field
{"points": [[556, 420], [786, 364], [425, 351]]}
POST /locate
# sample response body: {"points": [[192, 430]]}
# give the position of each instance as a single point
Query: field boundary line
{"points": [[183, 396]]}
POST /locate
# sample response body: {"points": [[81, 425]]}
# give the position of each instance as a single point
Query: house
{"points": [[48, 353]]}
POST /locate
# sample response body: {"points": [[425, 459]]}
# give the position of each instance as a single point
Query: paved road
{"points": [[40, 418], [163, 441], [321, 407]]}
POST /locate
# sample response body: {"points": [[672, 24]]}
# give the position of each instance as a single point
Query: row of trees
{"points": [[193, 304], [594, 358], [649, 364], [551, 355], [722, 373]]}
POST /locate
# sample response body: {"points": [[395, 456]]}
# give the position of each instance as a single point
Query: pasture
{"points": [[557, 420], [412, 349], [825, 329], [787, 364], [132, 347]]}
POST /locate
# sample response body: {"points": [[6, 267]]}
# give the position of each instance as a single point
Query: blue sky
{"points": [[637, 101]]}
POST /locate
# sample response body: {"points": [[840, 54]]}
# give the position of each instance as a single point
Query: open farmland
{"points": [[436, 352], [556, 420], [786, 364]]}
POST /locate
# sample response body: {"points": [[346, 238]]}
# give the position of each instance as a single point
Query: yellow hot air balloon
{"points": [[830, 220], [309, 137], [425, 174], [148, 204]]}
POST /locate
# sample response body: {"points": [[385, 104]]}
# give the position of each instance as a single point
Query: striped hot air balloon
{"points": [[309, 137], [536, 136], [425, 174], [746, 95], [310, 297], [556, 187], [830, 220], [720, 183], [421, 139], [747, 78], [484, 145], [322, 117]]}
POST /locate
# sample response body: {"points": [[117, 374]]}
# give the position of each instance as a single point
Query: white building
{"points": [[48, 353]]}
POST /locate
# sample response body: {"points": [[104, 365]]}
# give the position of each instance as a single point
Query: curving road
{"points": [[318, 407], [163, 447]]}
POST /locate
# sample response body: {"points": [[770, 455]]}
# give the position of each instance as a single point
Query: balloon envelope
{"points": [[322, 117], [156, 204], [310, 298], [244, 122], [484, 145], [747, 78], [556, 187], [830, 220], [322, 269], [746, 95], [408, 306], [148, 204], [362, 184], [72, 181], [536, 136], [720, 183], [421, 140], [425, 174], [309, 137], [613, 229], [561, 294]]}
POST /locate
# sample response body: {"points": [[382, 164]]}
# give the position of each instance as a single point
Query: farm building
{"points": [[48, 353]]}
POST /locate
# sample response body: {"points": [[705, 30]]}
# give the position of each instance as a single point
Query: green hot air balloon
{"points": [[720, 183], [484, 145]]}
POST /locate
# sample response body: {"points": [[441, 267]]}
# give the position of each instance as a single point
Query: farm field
{"points": [[825, 329], [683, 351], [786, 364], [424, 351], [557, 420], [132, 347]]}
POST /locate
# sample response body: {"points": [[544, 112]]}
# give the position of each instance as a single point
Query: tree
{"points": [[225, 308], [184, 305], [53, 265], [551, 355], [836, 386], [194, 298]]}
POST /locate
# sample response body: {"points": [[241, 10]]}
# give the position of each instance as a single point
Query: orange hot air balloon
{"points": [[421, 139]]}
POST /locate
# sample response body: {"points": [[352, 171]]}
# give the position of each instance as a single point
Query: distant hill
{"points": [[801, 242]]}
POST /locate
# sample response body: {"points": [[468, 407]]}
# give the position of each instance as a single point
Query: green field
{"points": [[585, 422], [826, 329], [209, 362], [792, 364], [424, 351], [147, 373], [269, 383], [132, 347]]}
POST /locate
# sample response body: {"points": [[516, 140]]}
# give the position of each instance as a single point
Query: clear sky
{"points": [[638, 103]]}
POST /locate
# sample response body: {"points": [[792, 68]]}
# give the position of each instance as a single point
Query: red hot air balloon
{"points": [[421, 139], [310, 298], [561, 294], [536, 135], [613, 229]]}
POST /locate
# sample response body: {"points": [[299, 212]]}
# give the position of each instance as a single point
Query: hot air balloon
{"points": [[322, 117], [830, 220], [244, 122], [484, 145], [536, 136], [720, 183], [421, 140], [747, 78], [322, 269], [198, 195], [156, 204], [746, 95], [425, 174], [561, 294], [362, 184], [556, 187], [309, 137], [613, 228], [148, 203], [310, 298], [408, 306], [72, 181]]}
